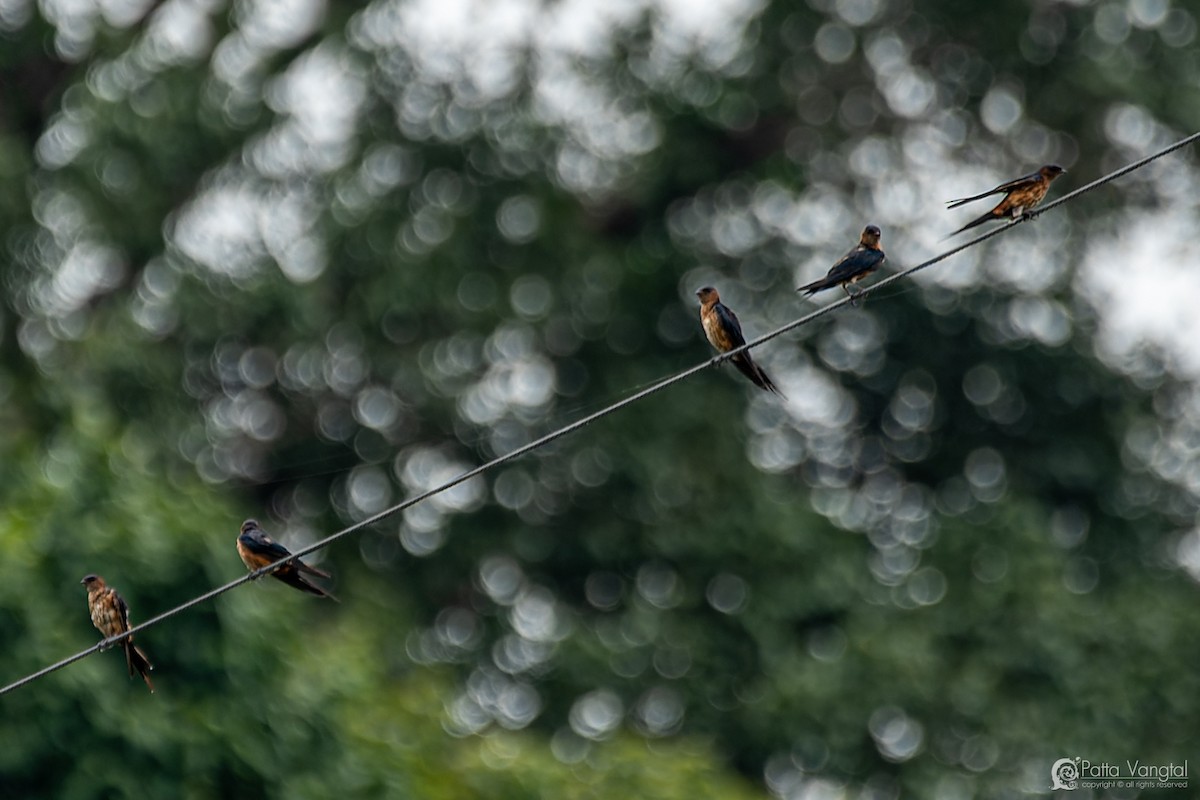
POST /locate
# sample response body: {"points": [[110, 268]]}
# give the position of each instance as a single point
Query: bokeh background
{"points": [[299, 260]]}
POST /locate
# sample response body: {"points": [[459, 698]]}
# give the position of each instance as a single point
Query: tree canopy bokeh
{"points": [[299, 260]]}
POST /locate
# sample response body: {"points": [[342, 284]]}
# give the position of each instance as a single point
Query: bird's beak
{"points": [[82, 582]]}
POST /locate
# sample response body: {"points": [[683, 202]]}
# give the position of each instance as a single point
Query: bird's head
{"points": [[871, 235], [1052, 171], [708, 295], [250, 525], [93, 581]]}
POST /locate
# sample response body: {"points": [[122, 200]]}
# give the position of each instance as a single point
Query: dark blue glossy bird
{"points": [[860, 262], [259, 550], [724, 332]]}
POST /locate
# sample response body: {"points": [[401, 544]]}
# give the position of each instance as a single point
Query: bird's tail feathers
{"points": [[977, 221], [756, 374], [138, 663], [311, 570], [810, 289], [295, 579], [962, 201], [769, 384]]}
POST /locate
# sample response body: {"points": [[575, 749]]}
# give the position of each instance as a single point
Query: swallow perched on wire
{"points": [[110, 615], [724, 332], [1020, 195], [860, 262], [258, 550]]}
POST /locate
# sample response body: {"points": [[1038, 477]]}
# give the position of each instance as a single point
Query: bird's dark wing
{"points": [[858, 261], [263, 546], [122, 609], [729, 323]]}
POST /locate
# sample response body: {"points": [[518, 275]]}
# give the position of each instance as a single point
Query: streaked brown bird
{"points": [[724, 332], [1020, 195], [110, 615], [863, 259], [259, 550]]}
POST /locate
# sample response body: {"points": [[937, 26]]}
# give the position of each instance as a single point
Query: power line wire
{"points": [[594, 417]]}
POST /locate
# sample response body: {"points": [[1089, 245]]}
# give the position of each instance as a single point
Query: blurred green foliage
{"points": [[298, 262]]}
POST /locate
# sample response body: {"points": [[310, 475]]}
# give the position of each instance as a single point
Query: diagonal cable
{"points": [[589, 419]]}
